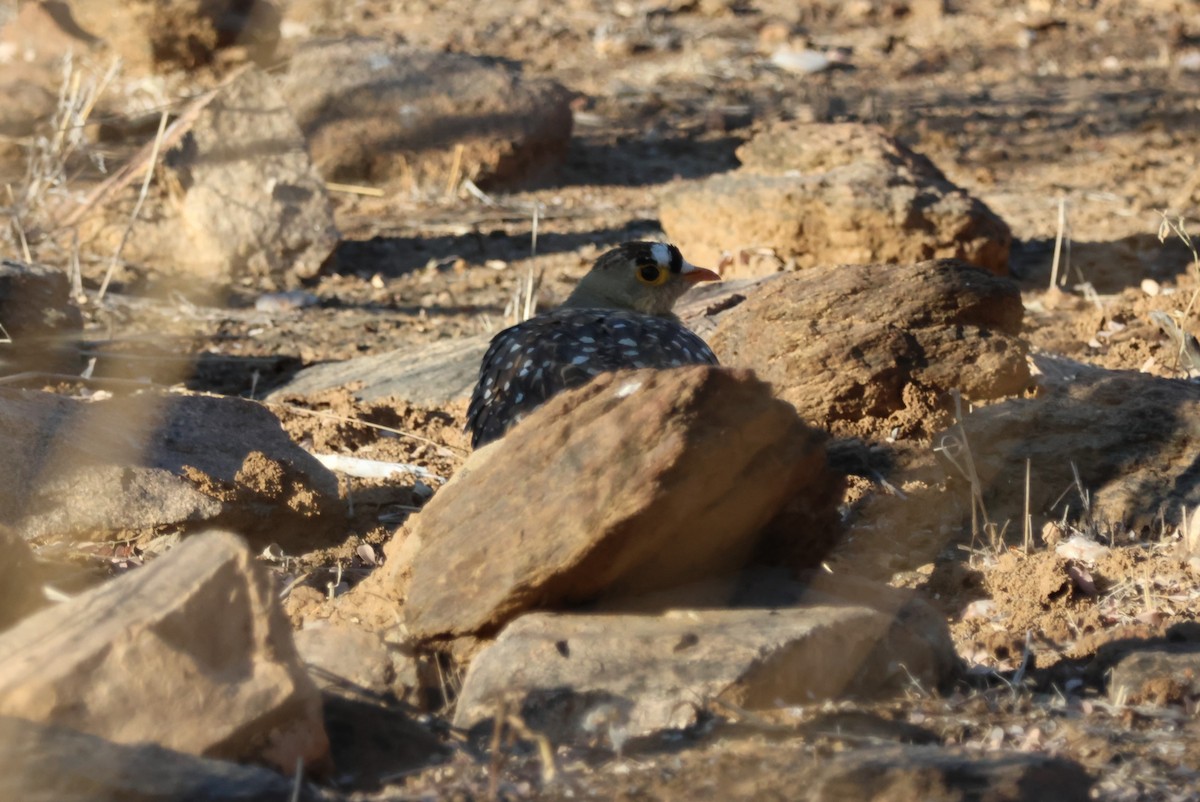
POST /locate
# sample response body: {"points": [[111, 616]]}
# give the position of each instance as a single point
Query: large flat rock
{"points": [[438, 373], [643, 674], [192, 652]]}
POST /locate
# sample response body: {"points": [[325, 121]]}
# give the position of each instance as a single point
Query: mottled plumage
{"points": [[618, 317]]}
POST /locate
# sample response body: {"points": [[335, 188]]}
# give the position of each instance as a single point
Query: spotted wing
{"points": [[527, 364]]}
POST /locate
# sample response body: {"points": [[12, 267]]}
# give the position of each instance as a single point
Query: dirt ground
{"points": [[1088, 110]]}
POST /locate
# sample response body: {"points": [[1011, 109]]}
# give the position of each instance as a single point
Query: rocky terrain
{"points": [[932, 531]]}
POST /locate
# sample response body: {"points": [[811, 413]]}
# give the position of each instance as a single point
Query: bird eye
{"points": [[649, 274]]}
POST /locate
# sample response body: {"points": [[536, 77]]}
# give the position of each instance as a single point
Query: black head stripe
{"points": [[676, 259]]}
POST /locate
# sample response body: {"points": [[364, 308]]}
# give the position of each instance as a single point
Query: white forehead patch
{"points": [[661, 254]]}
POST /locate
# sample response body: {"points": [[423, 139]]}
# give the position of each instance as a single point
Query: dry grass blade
{"points": [[137, 209], [142, 160], [1058, 242], [48, 157]]}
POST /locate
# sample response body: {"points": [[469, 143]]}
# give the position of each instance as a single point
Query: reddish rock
{"points": [[876, 349], [636, 482], [819, 193]]}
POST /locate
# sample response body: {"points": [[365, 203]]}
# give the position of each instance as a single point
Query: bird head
{"points": [[645, 277]]}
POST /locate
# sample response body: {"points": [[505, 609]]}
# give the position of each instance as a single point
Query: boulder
{"points": [[817, 193], [40, 763], [192, 652], [637, 482], [40, 326], [643, 674], [243, 152], [134, 465], [1131, 437], [874, 350], [338, 654], [381, 113]]}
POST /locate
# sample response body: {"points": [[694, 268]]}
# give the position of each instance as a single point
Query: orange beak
{"points": [[692, 274]]}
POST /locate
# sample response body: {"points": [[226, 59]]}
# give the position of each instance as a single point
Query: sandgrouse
{"points": [[619, 316]]}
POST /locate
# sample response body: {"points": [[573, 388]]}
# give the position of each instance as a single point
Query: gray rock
{"points": [[1132, 438], [40, 763], [574, 676], [41, 325], [430, 375], [337, 655], [137, 464], [441, 372], [922, 773]]}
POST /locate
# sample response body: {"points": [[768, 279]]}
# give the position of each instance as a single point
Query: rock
{"points": [[437, 373], [192, 653], [41, 326], [1130, 436], [138, 464], [244, 151], [20, 592], [430, 375], [381, 113], [40, 763], [876, 349], [360, 678], [642, 674], [1166, 674], [165, 35], [337, 654], [831, 193], [920, 773], [574, 504]]}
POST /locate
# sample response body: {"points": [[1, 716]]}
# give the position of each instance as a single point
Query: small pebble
{"points": [[288, 301]]}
